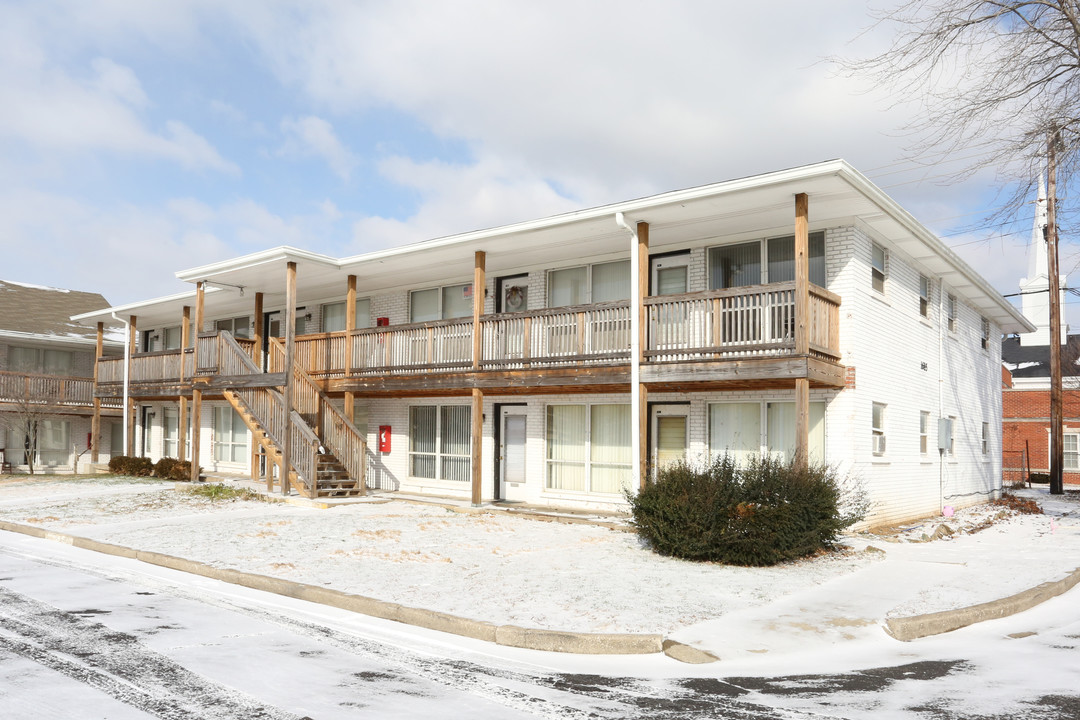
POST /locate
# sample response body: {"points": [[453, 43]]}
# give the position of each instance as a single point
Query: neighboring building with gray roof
{"points": [[47, 376]]}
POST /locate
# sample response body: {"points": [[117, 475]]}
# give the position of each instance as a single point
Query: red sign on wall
{"points": [[384, 438]]}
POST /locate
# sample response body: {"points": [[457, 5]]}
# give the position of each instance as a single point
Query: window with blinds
{"points": [[440, 442], [589, 448]]}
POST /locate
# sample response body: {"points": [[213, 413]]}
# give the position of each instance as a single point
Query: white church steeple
{"points": [[1035, 300]]}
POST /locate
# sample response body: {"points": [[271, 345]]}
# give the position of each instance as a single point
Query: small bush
{"points": [[163, 468], [1039, 478], [761, 513], [181, 471], [217, 491], [133, 466]]}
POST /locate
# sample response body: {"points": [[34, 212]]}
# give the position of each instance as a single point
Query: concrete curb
{"points": [[508, 635], [918, 626]]}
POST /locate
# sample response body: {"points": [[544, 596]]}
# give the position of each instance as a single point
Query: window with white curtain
{"points": [[735, 428], [589, 448], [170, 418], [333, 315], [781, 258], [602, 282], [171, 338], [440, 442], [40, 361], [445, 303], [53, 443], [230, 436]]}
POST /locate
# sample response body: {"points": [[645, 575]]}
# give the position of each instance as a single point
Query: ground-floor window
{"points": [[1071, 452], [48, 443], [230, 436], [589, 448], [745, 429], [440, 442]]}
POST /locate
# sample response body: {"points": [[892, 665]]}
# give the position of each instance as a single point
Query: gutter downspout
{"points": [[635, 351], [127, 366]]}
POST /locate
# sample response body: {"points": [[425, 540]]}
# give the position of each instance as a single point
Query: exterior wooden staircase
{"points": [[331, 466]]}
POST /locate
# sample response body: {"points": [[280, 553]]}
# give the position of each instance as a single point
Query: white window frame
{"points": [[951, 311], [440, 453], [588, 461], [924, 432], [951, 450], [985, 439], [231, 322], [763, 424], [363, 320], [440, 292], [763, 257], [231, 444], [985, 334], [588, 299], [875, 272], [877, 428], [925, 292], [1074, 455]]}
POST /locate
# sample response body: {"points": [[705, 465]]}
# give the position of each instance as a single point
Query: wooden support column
{"points": [[350, 325], [196, 394], [290, 340], [95, 423], [181, 401], [133, 344], [477, 445], [257, 335], [802, 329], [479, 285], [643, 339]]}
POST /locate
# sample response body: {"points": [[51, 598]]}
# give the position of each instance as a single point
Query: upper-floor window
{"points": [[924, 296], [239, 326], [771, 260], [171, 338], [161, 339], [985, 334], [333, 315], [442, 303], [877, 270], [601, 282], [950, 307], [878, 428], [40, 361], [986, 438]]}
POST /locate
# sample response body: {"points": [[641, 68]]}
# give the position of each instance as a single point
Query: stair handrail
{"points": [[340, 436], [303, 443]]}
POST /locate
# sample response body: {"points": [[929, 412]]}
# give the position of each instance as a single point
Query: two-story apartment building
{"points": [[559, 361], [47, 403]]}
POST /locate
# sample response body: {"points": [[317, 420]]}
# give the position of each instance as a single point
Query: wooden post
{"points": [[95, 423], [182, 429], [802, 335], [479, 285], [477, 444], [643, 338], [350, 325], [257, 335], [290, 340], [196, 394]]}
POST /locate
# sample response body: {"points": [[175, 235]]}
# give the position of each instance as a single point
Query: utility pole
{"points": [[1056, 439]]}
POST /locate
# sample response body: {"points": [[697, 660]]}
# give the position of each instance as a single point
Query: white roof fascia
{"points": [[45, 337], [131, 308], [244, 262]]}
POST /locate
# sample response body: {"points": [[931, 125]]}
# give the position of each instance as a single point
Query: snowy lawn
{"points": [[505, 569]]}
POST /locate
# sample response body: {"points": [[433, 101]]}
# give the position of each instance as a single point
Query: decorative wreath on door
{"points": [[515, 297]]}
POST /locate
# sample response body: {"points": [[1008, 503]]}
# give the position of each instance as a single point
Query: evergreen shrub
{"points": [[163, 468], [759, 513]]}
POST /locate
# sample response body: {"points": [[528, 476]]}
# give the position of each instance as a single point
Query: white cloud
{"points": [[312, 135], [119, 81]]}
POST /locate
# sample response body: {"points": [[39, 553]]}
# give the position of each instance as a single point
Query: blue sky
{"points": [[141, 138]]}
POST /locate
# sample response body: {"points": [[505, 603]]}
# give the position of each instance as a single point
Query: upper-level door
{"points": [[669, 323], [511, 296], [670, 435]]}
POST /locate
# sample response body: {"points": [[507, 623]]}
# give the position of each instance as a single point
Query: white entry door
{"points": [[512, 454], [670, 435]]}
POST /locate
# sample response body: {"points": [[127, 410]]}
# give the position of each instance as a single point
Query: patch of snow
{"points": [[35, 287]]}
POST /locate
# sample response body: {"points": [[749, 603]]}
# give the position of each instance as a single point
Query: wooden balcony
{"points": [[58, 393], [717, 336]]}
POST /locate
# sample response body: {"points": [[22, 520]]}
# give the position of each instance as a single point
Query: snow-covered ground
{"points": [[501, 568]]}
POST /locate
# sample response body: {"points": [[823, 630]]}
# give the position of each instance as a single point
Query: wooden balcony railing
{"points": [[36, 389], [753, 321]]}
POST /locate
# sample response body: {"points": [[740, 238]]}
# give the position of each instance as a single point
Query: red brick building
{"points": [[1025, 399]]}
